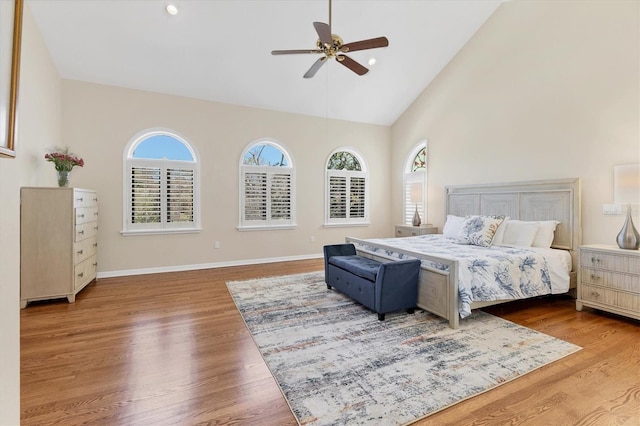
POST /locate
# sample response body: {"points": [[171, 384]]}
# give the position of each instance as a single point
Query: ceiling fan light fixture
{"points": [[172, 9], [333, 47]]}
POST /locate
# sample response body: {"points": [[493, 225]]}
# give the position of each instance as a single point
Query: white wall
{"points": [[39, 127], [544, 90], [99, 121]]}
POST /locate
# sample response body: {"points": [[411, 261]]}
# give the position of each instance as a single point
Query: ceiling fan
{"points": [[332, 46]]}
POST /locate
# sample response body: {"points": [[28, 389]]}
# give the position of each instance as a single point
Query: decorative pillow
{"points": [[497, 239], [544, 235], [452, 226], [479, 230], [519, 233]]}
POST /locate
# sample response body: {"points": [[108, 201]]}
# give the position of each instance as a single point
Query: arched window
{"points": [[267, 187], [161, 189], [347, 188], [415, 184]]}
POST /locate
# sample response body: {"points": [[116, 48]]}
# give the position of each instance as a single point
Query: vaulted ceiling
{"points": [[220, 50]]}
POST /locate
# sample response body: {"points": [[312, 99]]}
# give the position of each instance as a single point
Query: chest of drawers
{"points": [[58, 242], [609, 280]]}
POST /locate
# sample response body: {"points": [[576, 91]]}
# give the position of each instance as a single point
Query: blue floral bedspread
{"points": [[484, 273]]}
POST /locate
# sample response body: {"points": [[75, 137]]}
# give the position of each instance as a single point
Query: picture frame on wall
{"points": [[10, 44]]}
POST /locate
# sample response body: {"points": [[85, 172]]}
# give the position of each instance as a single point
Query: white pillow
{"points": [[497, 238], [452, 226], [479, 230], [519, 233], [544, 236]]}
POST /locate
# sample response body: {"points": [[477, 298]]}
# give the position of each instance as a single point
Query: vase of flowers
{"points": [[64, 161], [63, 178]]}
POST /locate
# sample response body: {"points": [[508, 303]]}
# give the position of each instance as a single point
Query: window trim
{"points": [[268, 224], [409, 177], [128, 161], [364, 172]]}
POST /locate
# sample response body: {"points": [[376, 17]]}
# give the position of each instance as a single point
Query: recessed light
{"points": [[372, 61], [171, 9]]}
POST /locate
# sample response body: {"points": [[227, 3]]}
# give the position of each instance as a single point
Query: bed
{"points": [[445, 276]]}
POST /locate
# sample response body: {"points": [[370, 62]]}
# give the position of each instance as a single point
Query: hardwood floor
{"points": [[172, 349]]}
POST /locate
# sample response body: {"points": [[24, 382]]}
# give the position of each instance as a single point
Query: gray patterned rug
{"points": [[337, 364]]}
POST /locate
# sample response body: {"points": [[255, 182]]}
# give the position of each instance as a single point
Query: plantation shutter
{"points": [[280, 196], [162, 195], [357, 199], [255, 196], [267, 196], [410, 207], [146, 197], [180, 189], [347, 191], [337, 197]]}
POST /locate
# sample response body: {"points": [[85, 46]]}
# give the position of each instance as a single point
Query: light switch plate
{"points": [[611, 209]]}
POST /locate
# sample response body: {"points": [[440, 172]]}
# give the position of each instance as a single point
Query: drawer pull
{"points": [[95, 199], [95, 244], [95, 228], [81, 215], [595, 260], [595, 294], [95, 264], [81, 199], [594, 277], [95, 214], [80, 251], [81, 274], [81, 232]]}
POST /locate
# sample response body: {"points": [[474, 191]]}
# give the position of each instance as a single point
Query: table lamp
{"points": [[626, 190], [416, 197]]}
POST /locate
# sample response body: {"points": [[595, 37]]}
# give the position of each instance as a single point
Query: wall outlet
{"points": [[611, 209], [216, 245]]}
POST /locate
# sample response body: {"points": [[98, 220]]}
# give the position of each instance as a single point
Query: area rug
{"points": [[336, 364]]}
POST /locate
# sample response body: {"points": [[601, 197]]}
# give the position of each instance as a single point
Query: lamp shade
{"points": [[626, 184], [416, 192]]}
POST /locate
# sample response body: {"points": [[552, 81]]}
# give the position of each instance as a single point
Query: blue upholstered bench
{"points": [[381, 287]]}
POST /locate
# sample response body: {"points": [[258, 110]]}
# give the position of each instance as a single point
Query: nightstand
{"points": [[609, 280], [412, 231]]}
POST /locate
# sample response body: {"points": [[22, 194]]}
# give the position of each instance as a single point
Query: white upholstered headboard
{"points": [[536, 200]]}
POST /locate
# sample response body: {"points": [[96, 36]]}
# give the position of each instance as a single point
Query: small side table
{"points": [[412, 231], [609, 280]]}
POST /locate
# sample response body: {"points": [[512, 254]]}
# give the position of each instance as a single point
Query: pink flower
{"points": [[63, 160]]}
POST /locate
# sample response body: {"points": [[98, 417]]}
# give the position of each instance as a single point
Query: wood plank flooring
{"points": [[172, 349]]}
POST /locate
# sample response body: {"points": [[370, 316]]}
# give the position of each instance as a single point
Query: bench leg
{"points": [[380, 317], [411, 310], [328, 286]]}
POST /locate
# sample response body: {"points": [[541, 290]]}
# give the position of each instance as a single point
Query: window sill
{"points": [[128, 233], [346, 225], [265, 228]]}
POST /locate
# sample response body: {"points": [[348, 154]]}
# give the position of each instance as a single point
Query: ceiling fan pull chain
{"points": [[330, 30]]}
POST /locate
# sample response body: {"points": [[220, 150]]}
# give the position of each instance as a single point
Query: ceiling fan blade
{"points": [[371, 43], [351, 64], [315, 67], [293, 52], [324, 33]]}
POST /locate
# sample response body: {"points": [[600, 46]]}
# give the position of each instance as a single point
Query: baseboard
{"points": [[180, 268]]}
